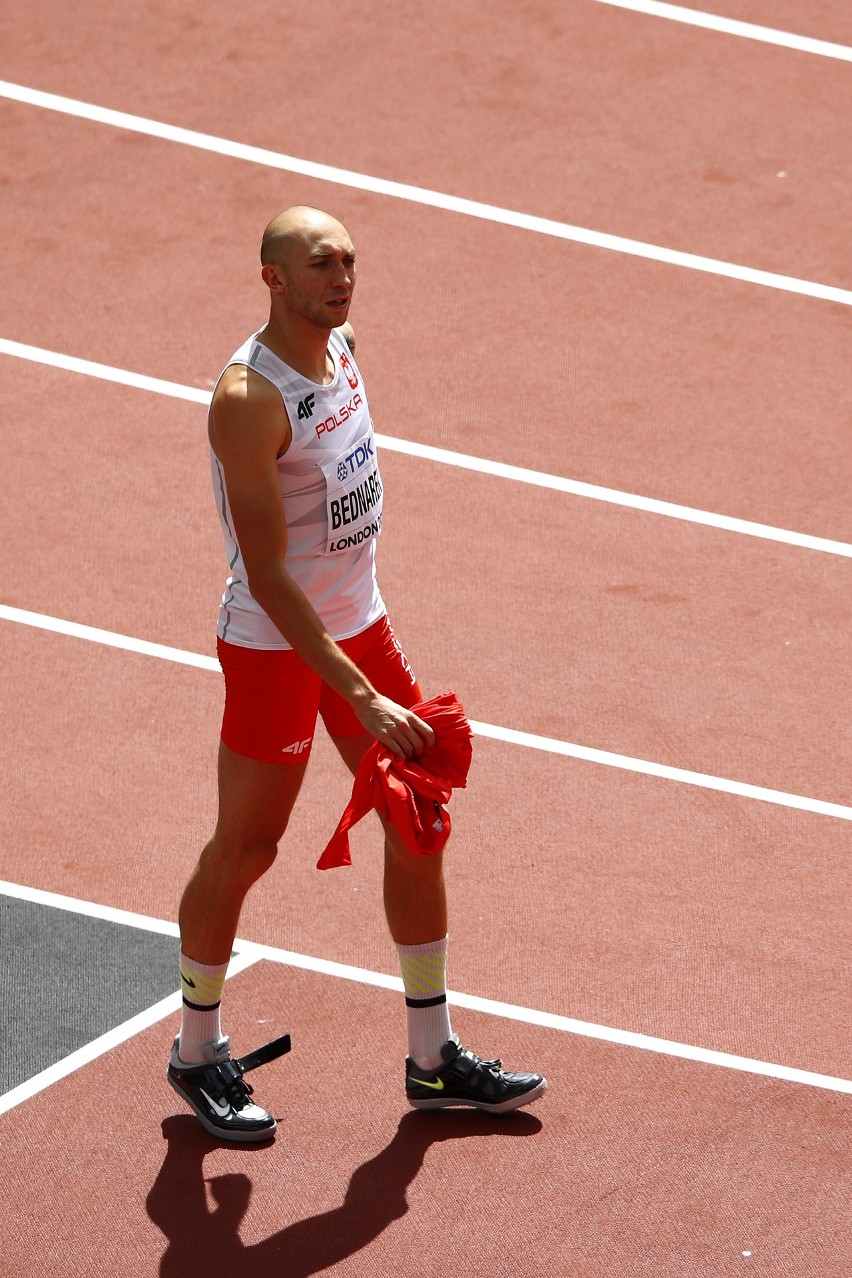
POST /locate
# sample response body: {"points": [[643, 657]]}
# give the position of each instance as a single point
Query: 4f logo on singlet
{"points": [[351, 375], [306, 407]]}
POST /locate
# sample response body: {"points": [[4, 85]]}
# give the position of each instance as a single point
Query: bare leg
{"points": [[415, 897], [255, 802], [414, 893]]}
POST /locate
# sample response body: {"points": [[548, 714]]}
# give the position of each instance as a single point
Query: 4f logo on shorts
{"points": [[351, 375], [306, 407], [298, 747]]}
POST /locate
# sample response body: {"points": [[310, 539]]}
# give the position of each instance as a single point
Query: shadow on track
{"points": [[202, 1240]]}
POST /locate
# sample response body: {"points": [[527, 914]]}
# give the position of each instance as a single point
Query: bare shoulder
{"points": [[247, 413], [240, 389], [347, 332]]}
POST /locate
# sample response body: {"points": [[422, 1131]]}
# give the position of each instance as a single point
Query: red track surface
{"points": [[670, 383], [618, 899], [585, 113], [634, 1166]]}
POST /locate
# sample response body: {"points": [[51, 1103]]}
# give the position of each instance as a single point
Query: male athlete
{"points": [[302, 632]]}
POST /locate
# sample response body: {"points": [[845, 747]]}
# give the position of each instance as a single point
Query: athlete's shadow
{"points": [[202, 1240]]}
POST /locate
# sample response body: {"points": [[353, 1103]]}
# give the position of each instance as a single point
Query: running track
{"points": [[596, 244]]}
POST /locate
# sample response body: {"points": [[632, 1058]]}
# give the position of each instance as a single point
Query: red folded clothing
{"points": [[411, 793]]}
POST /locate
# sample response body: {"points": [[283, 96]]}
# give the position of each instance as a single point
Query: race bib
{"points": [[353, 497]]}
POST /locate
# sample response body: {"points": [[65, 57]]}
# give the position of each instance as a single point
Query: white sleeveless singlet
{"points": [[332, 495]]}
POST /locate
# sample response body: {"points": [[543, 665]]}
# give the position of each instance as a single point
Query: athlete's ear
{"points": [[272, 277]]}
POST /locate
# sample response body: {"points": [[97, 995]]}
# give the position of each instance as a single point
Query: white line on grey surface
{"points": [[511, 736], [249, 952], [420, 195], [464, 461], [112, 1038], [735, 27], [90, 909]]}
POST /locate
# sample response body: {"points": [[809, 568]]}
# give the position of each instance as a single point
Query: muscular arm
{"points": [[248, 431]]}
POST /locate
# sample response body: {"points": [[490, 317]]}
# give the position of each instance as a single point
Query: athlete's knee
{"points": [[409, 863], [256, 856], [241, 859]]}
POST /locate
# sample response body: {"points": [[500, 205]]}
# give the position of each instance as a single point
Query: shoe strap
{"points": [[262, 1056], [467, 1061]]}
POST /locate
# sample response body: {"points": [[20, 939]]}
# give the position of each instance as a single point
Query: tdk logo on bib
{"points": [[353, 497], [359, 457]]}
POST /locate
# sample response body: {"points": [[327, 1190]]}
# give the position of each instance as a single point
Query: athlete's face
{"points": [[319, 276]]}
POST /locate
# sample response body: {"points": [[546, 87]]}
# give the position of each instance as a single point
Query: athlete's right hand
{"points": [[399, 729]]}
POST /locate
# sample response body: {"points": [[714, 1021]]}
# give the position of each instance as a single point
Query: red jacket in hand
{"points": [[410, 793]]}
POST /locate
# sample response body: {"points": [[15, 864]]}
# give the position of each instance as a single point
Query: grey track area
{"points": [[65, 979]]}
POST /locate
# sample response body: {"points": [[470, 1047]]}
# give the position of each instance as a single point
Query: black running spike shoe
{"points": [[464, 1079], [219, 1096]]}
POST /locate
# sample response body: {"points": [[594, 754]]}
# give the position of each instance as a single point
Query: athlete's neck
{"points": [[303, 346]]}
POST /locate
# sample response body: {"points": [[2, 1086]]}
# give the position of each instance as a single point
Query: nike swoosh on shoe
{"points": [[221, 1109], [437, 1086]]}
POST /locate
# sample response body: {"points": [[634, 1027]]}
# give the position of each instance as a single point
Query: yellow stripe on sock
{"points": [[423, 975], [200, 988]]}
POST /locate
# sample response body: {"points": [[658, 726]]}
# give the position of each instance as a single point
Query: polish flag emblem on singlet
{"points": [[351, 375]]}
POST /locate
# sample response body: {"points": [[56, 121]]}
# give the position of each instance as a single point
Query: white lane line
{"points": [[106, 1042], [628, 764], [735, 27], [464, 461], [249, 952], [615, 497], [511, 736], [104, 372], [420, 195], [109, 638], [90, 909]]}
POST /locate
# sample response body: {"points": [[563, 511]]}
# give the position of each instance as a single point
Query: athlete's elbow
{"points": [[265, 582]]}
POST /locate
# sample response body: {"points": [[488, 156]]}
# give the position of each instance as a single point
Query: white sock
{"points": [[424, 977], [201, 984]]}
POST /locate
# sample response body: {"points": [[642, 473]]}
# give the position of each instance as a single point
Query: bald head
{"points": [[300, 230], [308, 265]]}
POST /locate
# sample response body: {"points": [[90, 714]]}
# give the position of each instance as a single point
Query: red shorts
{"points": [[272, 697]]}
